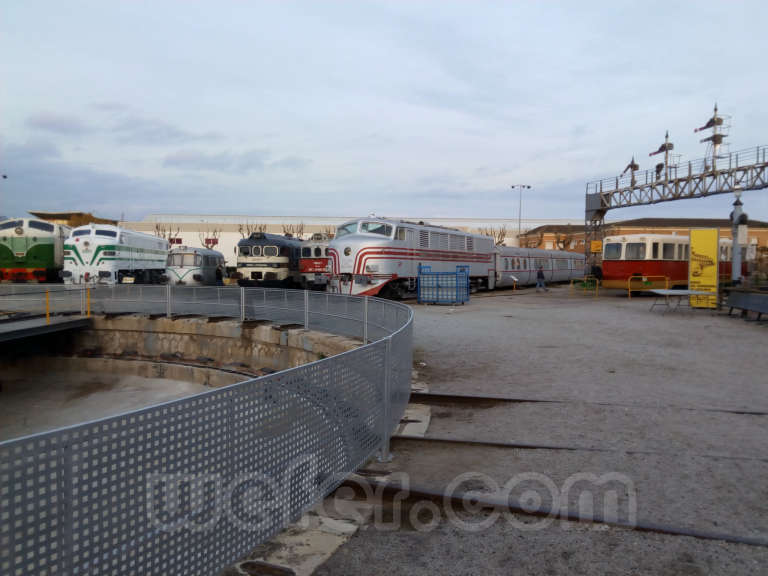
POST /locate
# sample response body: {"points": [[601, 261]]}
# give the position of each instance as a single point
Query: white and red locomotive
{"points": [[377, 256]]}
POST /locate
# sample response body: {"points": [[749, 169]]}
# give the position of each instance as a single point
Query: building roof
{"points": [[77, 218], [646, 223]]}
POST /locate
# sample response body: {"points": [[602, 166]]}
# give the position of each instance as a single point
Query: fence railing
{"points": [[192, 485]]}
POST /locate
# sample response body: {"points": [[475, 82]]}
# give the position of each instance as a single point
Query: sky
{"points": [[428, 109]]}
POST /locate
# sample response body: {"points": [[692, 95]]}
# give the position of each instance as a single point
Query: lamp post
{"points": [[738, 219], [520, 207]]}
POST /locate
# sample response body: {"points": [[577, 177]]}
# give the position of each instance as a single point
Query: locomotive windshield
{"points": [[270, 250], [10, 224], [376, 228], [36, 224], [350, 228], [612, 251], [82, 232]]}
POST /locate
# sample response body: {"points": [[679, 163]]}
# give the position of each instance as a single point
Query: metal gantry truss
{"points": [[743, 170]]}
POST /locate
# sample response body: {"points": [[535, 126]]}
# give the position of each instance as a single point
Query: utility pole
{"points": [[519, 207]]}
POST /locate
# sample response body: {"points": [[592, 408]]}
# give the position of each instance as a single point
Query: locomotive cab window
{"points": [[376, 228], [41, 225], [245, 250], [400, 233], [81, 233], [612, 251], [318, 252], [10, 224], [350, 228], [109, 233], [306, 252]]}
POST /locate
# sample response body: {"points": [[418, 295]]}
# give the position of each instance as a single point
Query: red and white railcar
{"points": [[660, 258]]}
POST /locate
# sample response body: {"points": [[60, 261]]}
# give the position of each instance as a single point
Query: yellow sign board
{"points": [[596, 246], [703, 266]]}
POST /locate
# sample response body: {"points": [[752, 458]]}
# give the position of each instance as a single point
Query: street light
{"points": [[520, 207]]}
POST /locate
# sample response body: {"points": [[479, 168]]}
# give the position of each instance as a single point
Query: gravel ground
{"points": [[628, 379]]}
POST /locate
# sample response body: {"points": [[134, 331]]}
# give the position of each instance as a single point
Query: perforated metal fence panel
{"points": [[190, 486]]}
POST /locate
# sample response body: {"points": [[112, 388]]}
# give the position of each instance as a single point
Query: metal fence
{"points": [[192, 485]]}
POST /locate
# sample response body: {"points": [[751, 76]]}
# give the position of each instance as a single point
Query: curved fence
{"points": [[192, 485]]}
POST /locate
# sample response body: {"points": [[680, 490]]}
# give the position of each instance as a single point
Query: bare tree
{"points": [[250, 227], [295, 230], [210, 237], [498, 234], [329, 231], [168, 233]]}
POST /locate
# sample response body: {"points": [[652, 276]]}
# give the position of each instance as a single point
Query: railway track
{"points": [[441, 399]]}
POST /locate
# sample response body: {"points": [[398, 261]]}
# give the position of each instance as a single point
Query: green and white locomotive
{"points": [[104, 254], [31, 250]]}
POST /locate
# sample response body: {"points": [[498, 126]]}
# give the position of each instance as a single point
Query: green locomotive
{"points": [[31, 250]]}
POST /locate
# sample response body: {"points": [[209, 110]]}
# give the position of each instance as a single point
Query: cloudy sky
{"points": [[416, 108]]}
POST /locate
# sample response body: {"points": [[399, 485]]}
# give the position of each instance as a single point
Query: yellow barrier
{"points": [[644, 279], [88, 301]]}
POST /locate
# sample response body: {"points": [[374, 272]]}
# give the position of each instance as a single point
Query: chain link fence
{"points": [[192, 485]]}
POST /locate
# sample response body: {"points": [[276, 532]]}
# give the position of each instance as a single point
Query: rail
{"points": [[648, 281], [192, 485]]}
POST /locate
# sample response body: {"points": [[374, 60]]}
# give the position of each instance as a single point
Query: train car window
{"points": [[376, 228], [270, 250], [685, 251], [245, 250], [350, 228], [612, 251], [668, 251], [679, 251], [400, 233], [635, 251], [506, 263], [109, 233], [82, 232], [41, 225], [306, 252], [10, 224], [655, 251], [318, 252]]}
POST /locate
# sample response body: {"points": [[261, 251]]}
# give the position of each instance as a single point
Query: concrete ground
{"points": [[676, 404], [31, 405]]}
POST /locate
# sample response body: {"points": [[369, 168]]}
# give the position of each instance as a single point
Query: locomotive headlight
{"points": [[347, 251], [372, 267]]}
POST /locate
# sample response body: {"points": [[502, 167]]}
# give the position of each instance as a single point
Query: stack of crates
{"points": [[443, 287]]}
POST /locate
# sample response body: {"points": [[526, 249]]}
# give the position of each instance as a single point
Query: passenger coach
{"points": [[31, 250]]}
